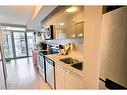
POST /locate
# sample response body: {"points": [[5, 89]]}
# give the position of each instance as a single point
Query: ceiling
{"points": [[30, 16], [35, 22], [15, 14]]}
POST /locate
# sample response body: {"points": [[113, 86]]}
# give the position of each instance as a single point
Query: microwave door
{"points": [[46, 35], [47, 32]]}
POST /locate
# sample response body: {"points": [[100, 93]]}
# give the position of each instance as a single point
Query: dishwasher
{"points": [[50, 72]]}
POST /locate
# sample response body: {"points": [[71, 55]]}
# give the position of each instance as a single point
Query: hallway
{"points": [[23, 75]]}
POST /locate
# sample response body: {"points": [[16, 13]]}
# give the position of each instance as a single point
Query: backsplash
{"points": [[78, 43]]}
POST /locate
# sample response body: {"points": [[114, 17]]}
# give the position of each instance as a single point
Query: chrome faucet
{"points": [[68, 48]]}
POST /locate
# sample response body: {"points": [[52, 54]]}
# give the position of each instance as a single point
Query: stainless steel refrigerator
{"points": [[3, 71], [113, 68]]}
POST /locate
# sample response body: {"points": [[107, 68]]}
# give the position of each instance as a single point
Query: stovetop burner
{"points": [[48, 52]]}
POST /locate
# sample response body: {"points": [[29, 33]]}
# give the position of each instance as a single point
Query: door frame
{"points": [[13, 44], [3, 60]]}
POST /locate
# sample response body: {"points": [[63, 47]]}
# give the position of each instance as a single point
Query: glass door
{"points": [[20, 44], [30, 42]]}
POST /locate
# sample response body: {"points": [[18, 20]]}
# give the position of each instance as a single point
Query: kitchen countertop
{"points": [[57, 57]]}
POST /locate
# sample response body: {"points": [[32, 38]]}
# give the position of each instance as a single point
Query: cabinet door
{"points": [[59, 72], [73, 80]]}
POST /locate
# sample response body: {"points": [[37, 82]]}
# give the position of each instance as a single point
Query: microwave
{"points": [[47, 32]]}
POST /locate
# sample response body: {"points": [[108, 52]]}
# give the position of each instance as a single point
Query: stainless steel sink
{"points": [[69, 60], [78, 65], [73, 62]]}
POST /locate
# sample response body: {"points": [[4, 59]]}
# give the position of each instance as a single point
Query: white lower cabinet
{"points": [[59, 76], [66, 79], [73, 80]]}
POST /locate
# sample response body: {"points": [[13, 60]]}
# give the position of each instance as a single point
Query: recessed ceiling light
{"points": [[71, 9]]}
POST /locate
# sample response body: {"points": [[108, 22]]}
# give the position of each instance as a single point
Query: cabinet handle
{"points": [[61, 67], [67, 71]]}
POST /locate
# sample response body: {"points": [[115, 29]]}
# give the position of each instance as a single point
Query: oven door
{"points": [[42, 73], [41, 61]]}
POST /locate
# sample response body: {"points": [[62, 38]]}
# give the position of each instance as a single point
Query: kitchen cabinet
{"points": [[66, 24], [59, 72], [67, 79], [74, 22], [60, 26], [73, 80], [79, 26], [35, 57]]}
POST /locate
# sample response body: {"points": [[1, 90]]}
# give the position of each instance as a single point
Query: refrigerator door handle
{"points": [[102, 80]]}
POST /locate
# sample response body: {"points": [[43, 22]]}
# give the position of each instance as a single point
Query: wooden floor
{"points": [[2, 82], [23, 75]]}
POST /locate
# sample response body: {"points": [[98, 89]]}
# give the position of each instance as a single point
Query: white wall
{"points": [[92, 31]]}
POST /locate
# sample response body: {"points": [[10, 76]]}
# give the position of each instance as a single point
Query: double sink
{"points": [[73, 62]]}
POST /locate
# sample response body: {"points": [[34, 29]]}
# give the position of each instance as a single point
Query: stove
{"points": [[42, 63]]}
